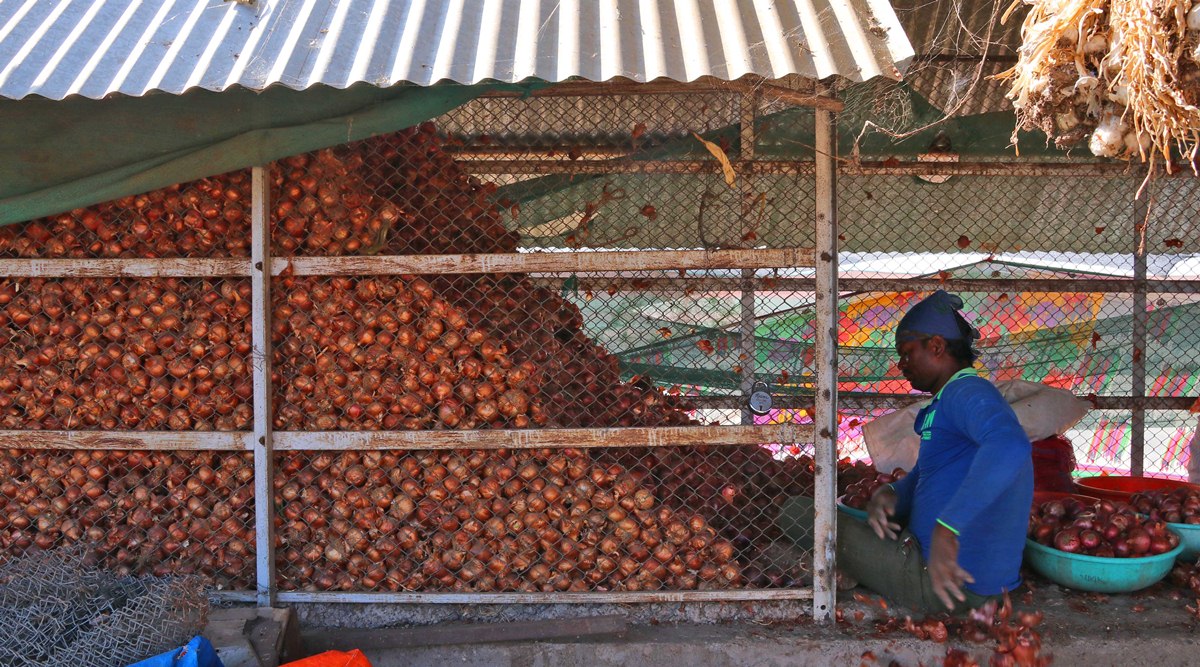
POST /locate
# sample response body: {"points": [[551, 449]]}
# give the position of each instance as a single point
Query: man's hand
{"points": [[945, 575], [880, 510]]}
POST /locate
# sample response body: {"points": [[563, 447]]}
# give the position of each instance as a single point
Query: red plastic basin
{"points": [[1040, 497], [1120, 487]]}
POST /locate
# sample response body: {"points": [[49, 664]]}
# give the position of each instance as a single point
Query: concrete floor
{"points": [[1152, 627], [704, 646]]}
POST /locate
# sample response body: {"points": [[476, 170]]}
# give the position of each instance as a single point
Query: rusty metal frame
{"points": [[1137, 427], [866, 401], [826, 284], [510, 161], [619, 597], [668, 285], [749, 112]]}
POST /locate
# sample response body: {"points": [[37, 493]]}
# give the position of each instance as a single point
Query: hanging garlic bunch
{"points": [[1124, 75], [1108, 139], [1193, 26]]}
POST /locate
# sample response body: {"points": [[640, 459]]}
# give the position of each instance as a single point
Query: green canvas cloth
{"points": [[893, 568], [61, 155]]}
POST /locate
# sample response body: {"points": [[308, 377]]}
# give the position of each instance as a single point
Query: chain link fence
{"points": [[505, 350], [357, 345], [126, 354], [205, 218], [1084, 233]]}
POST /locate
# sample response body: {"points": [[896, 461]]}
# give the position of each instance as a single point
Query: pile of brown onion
{"points": [[858, 494], [363, 353], [1015, 638], [157, 512], [405, 352], [520, 520], [1105, 529], [205, 218], [148, 354], [1176, 506], [388, 353]]}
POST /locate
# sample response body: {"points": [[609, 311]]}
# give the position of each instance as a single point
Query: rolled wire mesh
{"points": [[58, 608]]}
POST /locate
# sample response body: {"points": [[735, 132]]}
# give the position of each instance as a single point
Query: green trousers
{"points": [[893, 569]]}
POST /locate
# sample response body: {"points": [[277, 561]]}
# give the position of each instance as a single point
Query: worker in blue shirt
{"points": [[966, 500]]}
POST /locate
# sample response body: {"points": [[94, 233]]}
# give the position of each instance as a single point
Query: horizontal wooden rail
{"points": [[140, 440], [539, 262], [703, 86], [628, 165], [650, 436], [539, 163], [162, 267], [551, 262]]}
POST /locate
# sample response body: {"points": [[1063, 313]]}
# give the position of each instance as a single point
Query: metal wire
{"points": [[57, 609]]}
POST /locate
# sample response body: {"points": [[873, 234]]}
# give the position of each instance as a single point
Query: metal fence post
{"points": [[825, 368], [748, 356], [1137, 424], [264, 460]]}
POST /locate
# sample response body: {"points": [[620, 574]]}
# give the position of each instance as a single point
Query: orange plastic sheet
{"points": [[354, 658]]}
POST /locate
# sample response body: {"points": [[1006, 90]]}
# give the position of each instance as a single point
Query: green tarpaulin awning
{"points": [[61, 155]]}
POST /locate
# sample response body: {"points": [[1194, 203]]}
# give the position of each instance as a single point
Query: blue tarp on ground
{"points": [[197, 653]]}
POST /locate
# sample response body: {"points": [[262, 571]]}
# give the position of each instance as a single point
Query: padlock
{"points": [[760, 399]]}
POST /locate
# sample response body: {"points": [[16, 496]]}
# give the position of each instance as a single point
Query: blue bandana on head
{"points": [[933, 316]]}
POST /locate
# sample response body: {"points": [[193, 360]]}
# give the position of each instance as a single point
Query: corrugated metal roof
{"points": [[94, 48], [960, 27], [950, 37], [962, 88]]}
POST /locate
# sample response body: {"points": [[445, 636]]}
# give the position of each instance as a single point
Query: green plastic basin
{"points": [[1099, 575], [1189, 539]]}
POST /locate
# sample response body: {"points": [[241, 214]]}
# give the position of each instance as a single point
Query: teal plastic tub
{"points": [[1189, 539], [1099, 575], [861, 515]]}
